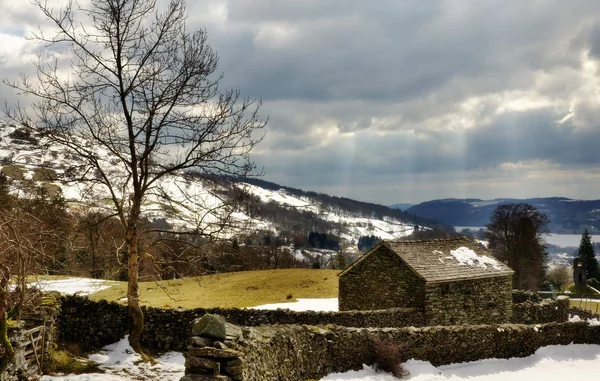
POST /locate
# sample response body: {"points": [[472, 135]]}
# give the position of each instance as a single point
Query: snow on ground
{"points": [[552, 363], [576, 318], [280, 197], [80, 286], [121, 363], [303, 305]]}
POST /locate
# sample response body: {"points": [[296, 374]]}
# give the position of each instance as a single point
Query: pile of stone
{"points": [[211, 354]]}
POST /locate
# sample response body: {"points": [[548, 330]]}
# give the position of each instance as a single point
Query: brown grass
{"points": [[239, 289]]}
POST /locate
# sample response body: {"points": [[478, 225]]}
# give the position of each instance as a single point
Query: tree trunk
{"points": [[133, 303]]}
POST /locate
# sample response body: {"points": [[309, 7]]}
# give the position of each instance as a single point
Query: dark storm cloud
{"points": [[390, 52], [390, 96]]}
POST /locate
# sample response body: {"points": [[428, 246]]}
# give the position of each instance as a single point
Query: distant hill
{"points": [[567, 216], [295, 209], [402, 206]]}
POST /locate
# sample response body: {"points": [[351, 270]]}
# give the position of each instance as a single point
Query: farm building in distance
{"points": [[449, 281]]}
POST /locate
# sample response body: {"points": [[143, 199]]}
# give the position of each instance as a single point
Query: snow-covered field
{"points": [[552, 363], [119, 362], [304, 305], [80, 286]]}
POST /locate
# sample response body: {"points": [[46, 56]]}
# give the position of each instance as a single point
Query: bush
{"points": [[44, 174], [389, 356], [14, 172], [22, 135]]}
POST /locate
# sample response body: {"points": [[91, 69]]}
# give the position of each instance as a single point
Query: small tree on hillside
{"points": [[514, 235], [588, 257], [140, 111]]}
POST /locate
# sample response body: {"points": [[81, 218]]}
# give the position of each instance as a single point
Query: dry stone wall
{"points": [[102, 323], [478, 301], [383, 281], [211, 353], [311, 352], [545, 311], [522, 296], [583, 314]]}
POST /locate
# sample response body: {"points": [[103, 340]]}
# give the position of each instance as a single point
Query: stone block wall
{"points": [[381, 281], [102, 323], [311, 352], [521, 296], [96, 323], [477, 301], [545, 311], [583, 314]]}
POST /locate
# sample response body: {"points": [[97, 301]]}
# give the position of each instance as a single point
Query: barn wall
{"points": [[381, 281], [477, 301]]}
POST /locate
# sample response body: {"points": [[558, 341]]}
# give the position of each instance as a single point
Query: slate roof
{"points": [[432, 260]]}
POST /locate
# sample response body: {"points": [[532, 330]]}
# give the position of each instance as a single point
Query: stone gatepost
{"points": [[211, 354], [579, 277]]}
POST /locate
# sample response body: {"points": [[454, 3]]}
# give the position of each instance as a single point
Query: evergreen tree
{"points": [[587, 256]]}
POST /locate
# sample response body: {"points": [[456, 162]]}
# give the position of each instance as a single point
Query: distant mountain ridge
{"points": [[567, 215], [401, 206]]}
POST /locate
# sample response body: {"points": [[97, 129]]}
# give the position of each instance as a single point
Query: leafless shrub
{"points": [[389, 355]]}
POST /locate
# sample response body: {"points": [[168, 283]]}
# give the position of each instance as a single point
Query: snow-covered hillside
{"points": [[182, 201], [353, 226]]}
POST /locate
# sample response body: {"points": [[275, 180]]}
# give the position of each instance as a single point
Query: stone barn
{"points": [[450, 281]]}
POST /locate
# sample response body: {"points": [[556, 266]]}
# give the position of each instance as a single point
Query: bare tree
{"points": [[514, 235], [28, 242], [96, 243], [140, 110]]}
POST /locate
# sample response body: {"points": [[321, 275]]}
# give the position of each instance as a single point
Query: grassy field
{"points": [[240, 289], [587, 304]]}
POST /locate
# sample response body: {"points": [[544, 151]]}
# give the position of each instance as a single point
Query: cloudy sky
{"points": [[404, 101]]}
